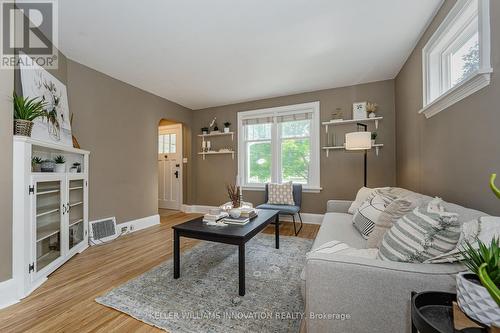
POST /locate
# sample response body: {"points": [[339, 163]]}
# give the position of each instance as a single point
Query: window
{"points": [[167, 143], [279, 145], [456, 60]]}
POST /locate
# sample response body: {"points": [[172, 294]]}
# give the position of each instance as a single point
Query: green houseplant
{"points": [[374, 137], [36, 163], [60, 163], [25, 111], [226, 127]]}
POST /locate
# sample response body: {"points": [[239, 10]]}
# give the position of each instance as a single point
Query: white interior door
{"points": [[170, 166]]}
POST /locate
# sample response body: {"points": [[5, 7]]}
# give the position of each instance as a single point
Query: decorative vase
{"points": [[60, 167], [475, 301], [23, 127], [235, 213], [226, 129], [372, 115], [37, 167], [47, 166], [373, 142]]}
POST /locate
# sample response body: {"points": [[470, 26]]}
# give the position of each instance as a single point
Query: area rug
{"points": [[205, 297]]}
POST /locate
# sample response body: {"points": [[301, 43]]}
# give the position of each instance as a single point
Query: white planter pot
{"points": [[373, 142], [475, 301], [226, 129], [61, 167]]}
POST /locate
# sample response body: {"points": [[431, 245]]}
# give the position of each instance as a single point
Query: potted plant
{"points": [[226, 127], [204, 130], [60, 163], [371, 108], [47, 166], [374, 137], [36, 163], [478, 292], [77, 167], [25, 111]]}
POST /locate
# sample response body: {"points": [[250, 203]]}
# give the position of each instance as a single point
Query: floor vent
{"points": [[102, 231]]}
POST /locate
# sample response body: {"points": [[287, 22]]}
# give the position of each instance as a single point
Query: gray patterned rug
{"points": [[205, 297]]}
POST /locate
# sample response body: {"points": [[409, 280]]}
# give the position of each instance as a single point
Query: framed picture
{"points": [[359, 110], [37, 82]]}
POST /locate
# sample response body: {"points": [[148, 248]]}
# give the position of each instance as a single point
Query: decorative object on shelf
{"points": [[233, 192], [371, 108], [47, 166], [213, 125], [374, 138], [338, 114], [55, 127], [204, 130], [226, 127], [26, 110], [75, 141], [478, 292], [36, 164], [60, 163], [77, 167], [225, 150], [359, 110], [360, 141], [209, 146], [235, 213]]}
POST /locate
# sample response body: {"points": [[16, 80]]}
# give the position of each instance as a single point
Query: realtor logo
{"points": [[28, 27]]}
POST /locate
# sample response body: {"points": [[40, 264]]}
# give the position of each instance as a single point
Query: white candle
{"points": [[208, 145], [203, 144]]}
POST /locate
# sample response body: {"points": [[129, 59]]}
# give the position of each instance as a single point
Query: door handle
{"points": [[166, 156], [176, 174]]}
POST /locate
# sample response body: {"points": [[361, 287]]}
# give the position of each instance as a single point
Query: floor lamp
{"points": [[361, 140]]}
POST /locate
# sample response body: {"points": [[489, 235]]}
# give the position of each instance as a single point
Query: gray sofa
{"points": [[351, 294]]}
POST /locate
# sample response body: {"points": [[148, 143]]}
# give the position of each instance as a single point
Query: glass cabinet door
{"points": [[47, 222], [76, 210]]}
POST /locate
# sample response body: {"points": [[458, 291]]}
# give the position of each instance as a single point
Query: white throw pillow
{"points": [[337, 247], [280, 194], [361, 197]]}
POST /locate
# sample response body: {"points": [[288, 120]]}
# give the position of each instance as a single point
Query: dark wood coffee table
{"points": [[230, 234]]}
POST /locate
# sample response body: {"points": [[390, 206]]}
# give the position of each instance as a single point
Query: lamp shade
{"points": [[358, 141]]}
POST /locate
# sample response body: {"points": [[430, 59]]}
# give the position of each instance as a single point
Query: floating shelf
{"points": [[47, 231], [216, 153], [75, 222], [47, 211], [350, 121], [217, 134], [376, 146]]}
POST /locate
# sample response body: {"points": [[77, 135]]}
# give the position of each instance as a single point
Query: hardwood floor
{"points": [[65, 303]]}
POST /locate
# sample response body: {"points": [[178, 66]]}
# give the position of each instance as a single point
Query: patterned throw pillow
{"points": [[425, 233], [280, 194], [396, 210], [370, 210]]}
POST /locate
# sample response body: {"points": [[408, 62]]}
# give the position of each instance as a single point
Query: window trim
{"points": [[314, 185], [480, 79]]}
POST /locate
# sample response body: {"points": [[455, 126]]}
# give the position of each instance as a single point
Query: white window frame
{"points": [[436, 54], [314, 168]]}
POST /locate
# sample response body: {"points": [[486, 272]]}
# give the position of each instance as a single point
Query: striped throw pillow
{"points": [[369, 212], [280, 194], [427, 232]]}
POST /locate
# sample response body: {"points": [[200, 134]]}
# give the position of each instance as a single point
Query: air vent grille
{"points": [[103, 230]]}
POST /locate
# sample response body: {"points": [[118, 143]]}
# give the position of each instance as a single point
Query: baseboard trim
{"points": [[140, 224], [308, 218], [8, 293]]}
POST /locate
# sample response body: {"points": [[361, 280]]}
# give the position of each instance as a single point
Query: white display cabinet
{"points": [[50, 212]]}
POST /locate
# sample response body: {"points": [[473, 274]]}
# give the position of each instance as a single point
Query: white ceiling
{"points": [[202, 53]]}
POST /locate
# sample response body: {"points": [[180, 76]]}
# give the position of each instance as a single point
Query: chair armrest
{"points": [[338, 206], [371, 295]]}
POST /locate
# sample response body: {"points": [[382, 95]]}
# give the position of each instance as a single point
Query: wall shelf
{"points": [[217, 134], [376, 146], [350, 121], [216, 153]]}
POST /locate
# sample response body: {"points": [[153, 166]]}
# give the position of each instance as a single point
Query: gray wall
{"points": [[118, 123], [453, 153], [6, 88], [341, 172]]}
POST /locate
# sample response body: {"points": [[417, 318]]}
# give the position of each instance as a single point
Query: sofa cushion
{"points": [[362, 195], [423, 234], [338, 226], [369, 212]]}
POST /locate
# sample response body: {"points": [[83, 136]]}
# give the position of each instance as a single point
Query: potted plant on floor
{"points": [[25, 111], [226, 127], [60, 163]]}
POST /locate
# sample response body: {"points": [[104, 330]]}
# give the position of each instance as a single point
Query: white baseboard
{"points": [[8, 293], [309, 218], [139, 224]]}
